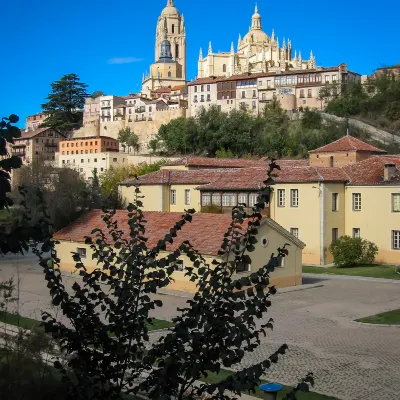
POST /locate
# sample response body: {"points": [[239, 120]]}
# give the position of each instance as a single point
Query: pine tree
{"points": [[65, 104]]}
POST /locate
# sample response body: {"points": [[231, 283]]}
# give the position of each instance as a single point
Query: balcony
{"points": [[55, 145], [19, 153]]}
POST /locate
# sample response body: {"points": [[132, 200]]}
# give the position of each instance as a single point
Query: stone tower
{"points": [[172, 22]]}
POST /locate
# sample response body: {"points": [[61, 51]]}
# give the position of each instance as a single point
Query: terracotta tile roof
{"points": [[162, 90], [177, 177], [205, 232], [347, 143], [210, 79], [179, 87], [371, 171], [216, 162], [32, 134], [252, 178]]}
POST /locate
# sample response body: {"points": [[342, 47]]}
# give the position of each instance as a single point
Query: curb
{"points": [[351, 277], [368, 324]]}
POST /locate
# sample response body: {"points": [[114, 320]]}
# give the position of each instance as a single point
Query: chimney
{"points": [[165, 175], [389, 171]]}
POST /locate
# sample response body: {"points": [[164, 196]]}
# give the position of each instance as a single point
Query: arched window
{"points": [[331, 161], [176, 50], [224, 68], [169, 74], [173, 28]]}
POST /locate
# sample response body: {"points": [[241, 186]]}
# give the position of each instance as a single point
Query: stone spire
{"points": [[311, 62], [201, 54], [284, 44], [273, 35], [170, 3], [209, 48], [239, 40], [232, 48], [256, 20], [182, 24]]}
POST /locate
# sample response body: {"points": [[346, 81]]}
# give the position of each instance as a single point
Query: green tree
{"points": [[311, 119], [8, 132], [97, 93], [222, 153], [128, 139], [65, 104]]}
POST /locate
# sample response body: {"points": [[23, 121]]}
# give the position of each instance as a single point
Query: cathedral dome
{"points": [[256, 34], [170, 10]]}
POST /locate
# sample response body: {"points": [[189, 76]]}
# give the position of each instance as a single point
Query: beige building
{"points": [[294, 89], [347, 187], [256, 52], [169, 69], [34, 121], [205, 233], [41, 143]]}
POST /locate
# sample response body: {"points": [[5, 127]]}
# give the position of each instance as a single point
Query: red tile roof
{"points": [[205, 232], [347, 143], [371, 171], [206, 162], [162, 90], [177, 177], [209, 79], [32, 134]]}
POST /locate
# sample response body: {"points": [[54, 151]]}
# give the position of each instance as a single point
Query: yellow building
{"points": [[205, 233], [347, 187]]}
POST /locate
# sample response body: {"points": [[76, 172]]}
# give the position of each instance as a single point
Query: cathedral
{"points": [[169, 68], [256, 52]]}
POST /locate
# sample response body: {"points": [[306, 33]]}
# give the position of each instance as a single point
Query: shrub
{"points": [[348, 251]]}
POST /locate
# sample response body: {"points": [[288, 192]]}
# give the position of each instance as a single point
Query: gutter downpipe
{"points": [[322, 224]]}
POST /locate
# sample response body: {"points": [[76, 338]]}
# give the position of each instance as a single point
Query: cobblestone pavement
{"points": [[350, 361]]}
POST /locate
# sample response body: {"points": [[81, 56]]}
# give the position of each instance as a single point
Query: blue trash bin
{"points": [[271, 390]]}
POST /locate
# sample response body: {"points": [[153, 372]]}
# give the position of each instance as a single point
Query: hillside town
{"points": [[178, 211]]}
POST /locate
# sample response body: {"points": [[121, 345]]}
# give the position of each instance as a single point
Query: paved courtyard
{"points": [[349, 360]]}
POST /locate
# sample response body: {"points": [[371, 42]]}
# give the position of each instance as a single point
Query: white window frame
{"points": [[295, 232], [82, 251], [356, 233], [281, 197], [206, 199], [253, 199], [396, 240], [396, 202], [188, 197], [243, 198], [357, 201], [173, 197], [294, 198]]}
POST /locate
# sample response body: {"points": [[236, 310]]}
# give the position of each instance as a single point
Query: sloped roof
{"points": [[347, 143], [371, 171], [216, 162], [202, 81], [32, 134], [205, 232]]}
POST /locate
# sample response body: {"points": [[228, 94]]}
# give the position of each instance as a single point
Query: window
{"points": [[228, 199], [268, 84], [295, 232], [173, 28], [187, 197], [281, 197], [243, 94], [216, 199], [335, 234], [263, 96], [356, 201], [205, 199], [173, 197], [63, 153], [253, 199], [202, 98], [176, 50], [242, 198], [224, 68], [202, 88], [356, 233], [254, 94], [195, 89], [254, 105], [396, 202], [169, 74], [309, 93], [82, 161], [396, 240], [82, 252], [331, 161], [63, 161], [326, 78], [334, 78], [101, 169], [95, 160], [209, 97], [115, 160], [301, 93], [259, 83], [335, 202], [294, 197], [195, 99]]}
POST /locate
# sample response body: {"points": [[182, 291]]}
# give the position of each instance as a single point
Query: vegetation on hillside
{"points": [[377, 102], [242, 134]]}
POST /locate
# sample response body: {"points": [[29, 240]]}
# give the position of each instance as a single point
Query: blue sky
{"points": [[45, 39]]}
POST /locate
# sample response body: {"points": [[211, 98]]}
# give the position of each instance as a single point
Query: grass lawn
{"points": [[370, 271], [386, 318], [213, 378], [28, 323]]}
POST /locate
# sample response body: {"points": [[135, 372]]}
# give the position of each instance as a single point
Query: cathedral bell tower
{"points": [[172, 22]]}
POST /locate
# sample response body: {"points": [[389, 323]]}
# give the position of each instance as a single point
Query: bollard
{"points": [[271, 390]]}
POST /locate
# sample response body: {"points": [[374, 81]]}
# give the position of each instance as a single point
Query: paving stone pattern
{"points": [[350, 361]]}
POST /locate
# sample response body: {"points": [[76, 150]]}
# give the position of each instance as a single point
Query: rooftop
{"points": [[32, 134], [347, 143], [216, 162], [205, 233]]}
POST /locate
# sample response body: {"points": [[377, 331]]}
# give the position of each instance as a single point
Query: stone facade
{"points": [[34, 121], [294, 89], [256, 52]]}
